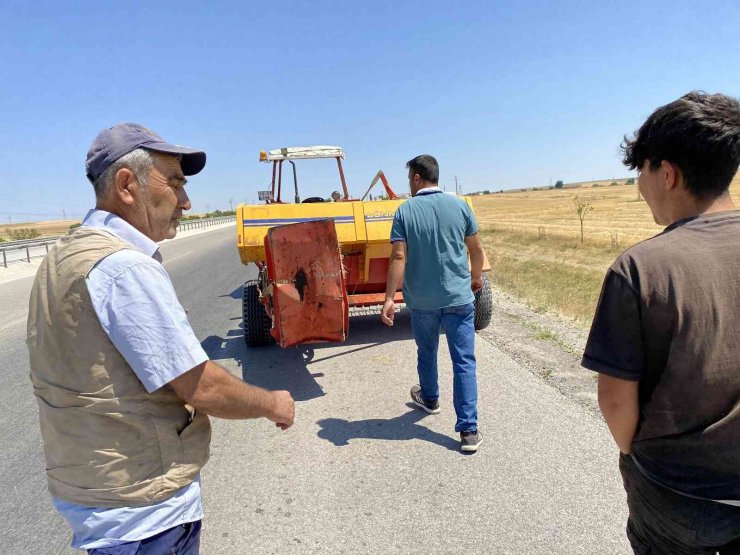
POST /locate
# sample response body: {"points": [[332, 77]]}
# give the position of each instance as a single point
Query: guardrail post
{"points": [[28, 254], [5, 259]]}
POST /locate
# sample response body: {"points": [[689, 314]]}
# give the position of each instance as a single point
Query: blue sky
{"points": [[504, 94]]}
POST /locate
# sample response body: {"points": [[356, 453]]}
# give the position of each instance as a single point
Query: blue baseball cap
{"points": [[119, 140]]}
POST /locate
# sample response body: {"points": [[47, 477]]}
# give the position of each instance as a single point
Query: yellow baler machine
{"points": [[309, 272], [363, 232]]}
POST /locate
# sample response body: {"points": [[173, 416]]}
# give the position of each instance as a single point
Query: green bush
{"points": [[21, 233]]}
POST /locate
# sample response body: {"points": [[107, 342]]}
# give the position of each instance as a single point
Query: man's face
{"points": [[414, 181], [163, 199], [651, 183]]}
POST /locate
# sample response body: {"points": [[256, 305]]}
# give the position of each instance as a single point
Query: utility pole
{"points": [[64, 214], [457, 187], [231, 204]]}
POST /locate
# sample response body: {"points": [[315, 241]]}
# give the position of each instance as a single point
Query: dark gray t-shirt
{"points": [[669, 316]]}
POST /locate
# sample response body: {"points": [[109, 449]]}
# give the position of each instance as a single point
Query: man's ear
{"points": [[125, 184], [672, 175]]}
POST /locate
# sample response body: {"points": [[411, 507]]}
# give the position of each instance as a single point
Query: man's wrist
{"points": [[266, 402]]}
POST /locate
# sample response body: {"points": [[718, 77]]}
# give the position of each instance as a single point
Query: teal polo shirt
{"points": [[434, 226]]}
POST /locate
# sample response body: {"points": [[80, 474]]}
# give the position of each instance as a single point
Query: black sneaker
{"points": [[432, 407], [469, 441]]}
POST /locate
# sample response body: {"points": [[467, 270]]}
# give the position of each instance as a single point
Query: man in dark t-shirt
{"points": [[665, 338]]}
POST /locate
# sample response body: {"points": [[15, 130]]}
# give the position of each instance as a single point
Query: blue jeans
{"points": [[458, 323], [179, 540]]}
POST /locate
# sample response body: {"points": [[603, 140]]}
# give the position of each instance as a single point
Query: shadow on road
{"points": [[274, 368], [235, 294], [401, 428]]}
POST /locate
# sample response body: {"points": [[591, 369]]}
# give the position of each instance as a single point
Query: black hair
{"points": [[426, 166], [699, 133]]}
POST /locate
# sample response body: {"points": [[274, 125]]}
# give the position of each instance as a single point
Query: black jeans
{"points": [[662, 522], [179, 540]]}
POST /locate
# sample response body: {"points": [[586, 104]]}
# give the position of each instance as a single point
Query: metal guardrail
{"points": [[32, 248], [204, 223], [27, 249]]}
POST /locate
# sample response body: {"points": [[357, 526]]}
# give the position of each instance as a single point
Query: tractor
{"points": [[319, 260]]}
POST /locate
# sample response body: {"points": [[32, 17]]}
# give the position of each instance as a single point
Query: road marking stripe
{"points": [[177, 257], [16, 279], [13, 323]]}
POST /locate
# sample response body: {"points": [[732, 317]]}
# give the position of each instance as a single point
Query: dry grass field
{"points": [[533, 241], [51, 228]]}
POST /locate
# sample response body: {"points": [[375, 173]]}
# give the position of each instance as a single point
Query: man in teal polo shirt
{"points": [[432, 234]]}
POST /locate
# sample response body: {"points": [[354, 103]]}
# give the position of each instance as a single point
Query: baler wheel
{"points": [[256, 322], [483, 305]]}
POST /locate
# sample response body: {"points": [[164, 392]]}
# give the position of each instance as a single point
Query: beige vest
{"points": [[107, 442]]}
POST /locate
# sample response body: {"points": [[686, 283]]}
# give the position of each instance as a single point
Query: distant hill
{"points": [[575, 185]]}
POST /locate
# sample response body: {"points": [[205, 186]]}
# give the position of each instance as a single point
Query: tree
{"points": [[630, 181], [558, 184], [583, 205]]}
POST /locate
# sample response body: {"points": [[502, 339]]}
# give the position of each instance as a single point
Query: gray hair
{"points": [[139, 161]]}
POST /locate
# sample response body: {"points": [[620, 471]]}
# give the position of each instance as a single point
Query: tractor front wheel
{"points": [[483, 305], [256, 322]]}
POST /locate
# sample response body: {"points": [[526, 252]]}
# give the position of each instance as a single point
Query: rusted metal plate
{"points": [[370, 299], [305, 269]]}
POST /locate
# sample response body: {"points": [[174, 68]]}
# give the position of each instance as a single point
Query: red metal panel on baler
{"points": [[308, 291]]}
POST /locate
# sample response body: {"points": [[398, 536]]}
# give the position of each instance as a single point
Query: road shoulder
{"points": [[548, 346]]}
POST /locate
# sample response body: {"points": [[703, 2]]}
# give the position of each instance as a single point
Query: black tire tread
{"points": [[483, 305], [256, 322]]}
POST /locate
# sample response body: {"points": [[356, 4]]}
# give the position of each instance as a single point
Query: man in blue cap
{"points": [[124, 388]]}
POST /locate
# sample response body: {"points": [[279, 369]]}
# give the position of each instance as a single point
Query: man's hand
{"points": [[283, 412], [212, 389], [476, 283], [388, 312]]}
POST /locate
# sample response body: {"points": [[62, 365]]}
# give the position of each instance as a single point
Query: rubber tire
{"points": [[256, 322], [483, 305]]}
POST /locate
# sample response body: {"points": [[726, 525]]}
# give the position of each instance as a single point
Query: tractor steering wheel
{"points": [[313, 199]]}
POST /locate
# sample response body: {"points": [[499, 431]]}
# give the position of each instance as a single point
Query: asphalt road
{"points": [[361, 471]]}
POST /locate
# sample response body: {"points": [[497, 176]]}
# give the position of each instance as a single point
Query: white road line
{"points": [[177, 257], [13, 323], [33, 275]]}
